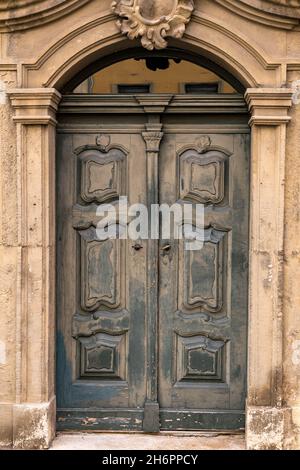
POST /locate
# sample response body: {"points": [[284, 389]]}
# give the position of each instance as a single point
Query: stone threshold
{"points": [[140, 441]]}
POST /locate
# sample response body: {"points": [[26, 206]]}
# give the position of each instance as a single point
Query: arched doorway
{"points": [[151, 335], [264, 70]]}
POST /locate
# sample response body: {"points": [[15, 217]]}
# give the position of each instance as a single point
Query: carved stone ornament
{"points": [[153, 20]]}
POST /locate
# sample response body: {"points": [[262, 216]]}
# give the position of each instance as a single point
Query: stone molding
{"points": [[269, 106], [26, 14], [253, 66], [277, 7], [35, 106], [279, 14]]}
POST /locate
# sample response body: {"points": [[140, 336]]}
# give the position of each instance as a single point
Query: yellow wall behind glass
{"points": [[135, 72]]}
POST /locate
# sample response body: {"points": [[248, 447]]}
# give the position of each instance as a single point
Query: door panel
{"points": [[203, 294], [101, 285], [130, 351]]}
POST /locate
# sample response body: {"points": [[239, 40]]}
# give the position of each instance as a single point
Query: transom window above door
{"points": [[154, 75]]}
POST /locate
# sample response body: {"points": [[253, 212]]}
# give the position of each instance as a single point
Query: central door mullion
{"points": [[152, 137], [153, 106]]}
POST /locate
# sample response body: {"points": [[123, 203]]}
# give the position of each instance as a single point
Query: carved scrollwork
{"points": [[153, 20]]}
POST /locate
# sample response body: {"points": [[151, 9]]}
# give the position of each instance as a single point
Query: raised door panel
{"points": [[202, 286], [100, 271], [202, 177]]}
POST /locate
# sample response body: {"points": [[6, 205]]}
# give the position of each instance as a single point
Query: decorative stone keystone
{"points": [[153, 20]]}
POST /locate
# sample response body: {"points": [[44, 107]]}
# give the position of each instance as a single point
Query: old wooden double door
{"points": [[151, 335]]}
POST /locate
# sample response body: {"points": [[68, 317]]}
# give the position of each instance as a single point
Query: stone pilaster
{"points": [[292, 267], [9, 254], [267, 415], [34, 411]]}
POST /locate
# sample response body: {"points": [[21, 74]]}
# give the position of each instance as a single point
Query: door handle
{"points": [[137, 247], [166, 248]]}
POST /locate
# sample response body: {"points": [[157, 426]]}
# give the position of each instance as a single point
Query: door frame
{"points": [[35, 116]]}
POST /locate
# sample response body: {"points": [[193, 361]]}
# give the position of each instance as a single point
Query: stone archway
{"points": [[35, 104]]}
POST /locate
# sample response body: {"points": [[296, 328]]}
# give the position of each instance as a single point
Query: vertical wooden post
{"points": [[153, 138], [154, 106]]}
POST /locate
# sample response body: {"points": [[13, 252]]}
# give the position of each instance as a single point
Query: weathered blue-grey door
{"points": [[151, 335], [203, 292]]}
